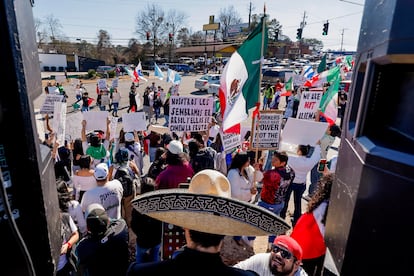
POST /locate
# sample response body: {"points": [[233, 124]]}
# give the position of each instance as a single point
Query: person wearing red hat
{"points": [[285, 258]]}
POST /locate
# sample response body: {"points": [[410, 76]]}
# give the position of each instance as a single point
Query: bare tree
{"points": [[227, 17], [183, 36], [151, 25], [54, 28], [174, 21], [104, 47], [274, 28]]}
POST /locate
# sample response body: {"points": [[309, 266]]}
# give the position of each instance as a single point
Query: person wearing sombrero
{"points": [[207, 213]]}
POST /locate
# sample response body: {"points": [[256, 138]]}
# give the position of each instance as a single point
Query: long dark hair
{"points": [[322, 193], [239, 160]]}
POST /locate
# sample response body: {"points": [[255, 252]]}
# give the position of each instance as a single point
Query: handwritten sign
{"points": [[49, 103], [59, 121], [53, 90], [230, 141], [190, 113], [309, 104], [115, 83], [134, 121], [266, 134], [102, 84]]}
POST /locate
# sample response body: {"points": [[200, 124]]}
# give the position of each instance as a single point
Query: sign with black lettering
{"points": [[266, 130], [49, 103], [190, 113], [230, 141], [309, 104]]}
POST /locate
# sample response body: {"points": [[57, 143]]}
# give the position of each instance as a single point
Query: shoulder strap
{"points": [[114, 229]]}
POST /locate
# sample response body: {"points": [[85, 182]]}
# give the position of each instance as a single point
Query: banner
{"points": [[134, 121], [266, 134], [230, 141], [49, 103], [190, 113], [309, 104]]}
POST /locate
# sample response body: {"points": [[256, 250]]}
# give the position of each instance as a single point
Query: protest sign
{"points": [[59, 121], [102, 84], [74, 125], [134, 121], [230, 141], [49, 103], [266, 130], [190, 113], [309, 104], [95, 120], [115, 83], [113, 125], [53, 90], [60, 79], [303, 132], [159, 129]]}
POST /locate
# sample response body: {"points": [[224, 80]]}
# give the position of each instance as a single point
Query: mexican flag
{"points": [[240, 81], [309, 232], [326, 76], [287, 88], [329, 103]]}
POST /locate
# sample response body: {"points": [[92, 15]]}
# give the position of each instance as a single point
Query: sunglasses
{"points": [[283, 252]]}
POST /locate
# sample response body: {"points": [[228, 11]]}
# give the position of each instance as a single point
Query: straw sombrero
{"points": [[207, 206]]}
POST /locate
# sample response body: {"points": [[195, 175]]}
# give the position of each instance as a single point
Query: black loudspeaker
{"points": [[30, 235], [369, 225]]}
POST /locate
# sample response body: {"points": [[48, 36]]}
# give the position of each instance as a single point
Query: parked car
{"points": [[181, 67], [186, 60], [204, 81], [271, 75], [213, 89], [104, 69]]}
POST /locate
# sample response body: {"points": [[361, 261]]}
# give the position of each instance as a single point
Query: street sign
{"points": [[211, 27]]}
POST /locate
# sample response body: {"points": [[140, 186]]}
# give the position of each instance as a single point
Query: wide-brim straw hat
{"points": [[207, 206]]}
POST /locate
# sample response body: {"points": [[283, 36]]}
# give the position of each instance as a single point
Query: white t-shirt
{"points": [[116, 97], [259, 263], [108, 195]]}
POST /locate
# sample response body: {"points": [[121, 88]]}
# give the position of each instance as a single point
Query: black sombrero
{"points": [[207, 206]]}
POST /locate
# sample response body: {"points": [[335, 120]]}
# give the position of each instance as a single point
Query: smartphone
{"points": [[321, 165]]}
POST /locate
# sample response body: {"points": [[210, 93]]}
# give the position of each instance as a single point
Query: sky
{"points": [[83, 19]]}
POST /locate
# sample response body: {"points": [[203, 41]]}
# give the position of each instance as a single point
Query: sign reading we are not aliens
{"points": [[190, 113]]}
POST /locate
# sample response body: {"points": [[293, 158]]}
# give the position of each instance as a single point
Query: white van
{"points": [[186, 60]]}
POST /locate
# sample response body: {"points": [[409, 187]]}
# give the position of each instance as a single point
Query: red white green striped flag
{"points": [[287, 88], [329, 103], [240, 81]]}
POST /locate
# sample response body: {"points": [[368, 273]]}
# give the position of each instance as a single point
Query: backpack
{"points": [[129, 180], [202, 160]]}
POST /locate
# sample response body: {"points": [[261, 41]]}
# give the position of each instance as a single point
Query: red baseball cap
{"points": [[290, 244]]}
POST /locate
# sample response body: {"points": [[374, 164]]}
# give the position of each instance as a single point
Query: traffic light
{"points": [[299, 34], [148, 35], [325, 28], [170, 36]]}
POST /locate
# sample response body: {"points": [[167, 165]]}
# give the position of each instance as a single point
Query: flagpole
{"points": [[258, 94]]}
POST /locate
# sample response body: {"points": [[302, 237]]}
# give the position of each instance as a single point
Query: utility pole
{"points": [[250, 13], [302, 26], [342, 38]]}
